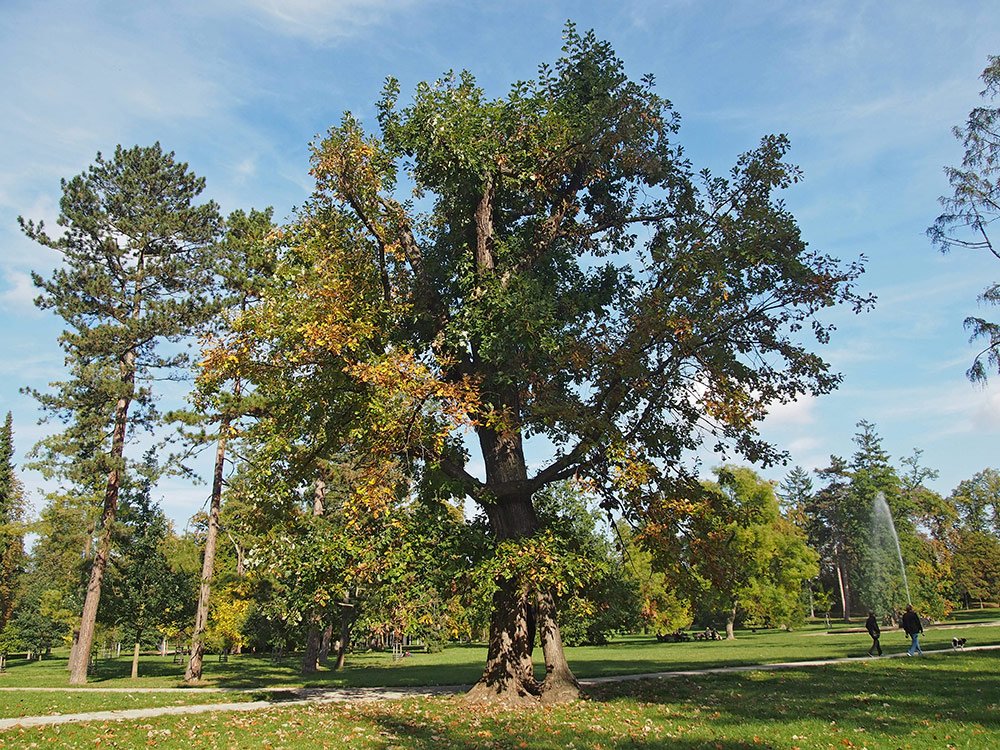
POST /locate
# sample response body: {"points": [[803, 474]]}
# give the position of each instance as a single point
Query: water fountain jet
{"points": [[882, 516]]}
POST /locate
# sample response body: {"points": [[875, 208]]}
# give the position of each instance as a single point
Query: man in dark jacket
{"points": [[913, 628], [871, 624]]}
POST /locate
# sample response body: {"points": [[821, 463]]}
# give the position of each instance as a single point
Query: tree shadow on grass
{"points": [[887, 696], [497, 732]]}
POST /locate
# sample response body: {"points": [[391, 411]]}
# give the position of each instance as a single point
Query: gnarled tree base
{"points": [[511, 693], [509, 676]]}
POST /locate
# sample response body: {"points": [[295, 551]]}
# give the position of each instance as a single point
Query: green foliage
{"points": [[878, 578], [663, 609], [52, 586], [978, 501], [973, 206], [744, 557], [10, 639], [975, 564], [602, 597], [529, 263], [571, 557], [146, 592], [795, 494], [134, 273]]}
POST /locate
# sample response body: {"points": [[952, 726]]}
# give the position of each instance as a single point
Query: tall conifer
{"points": [[134, 275]]}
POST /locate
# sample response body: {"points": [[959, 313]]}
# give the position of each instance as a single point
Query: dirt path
{"points": [[299, 696]]}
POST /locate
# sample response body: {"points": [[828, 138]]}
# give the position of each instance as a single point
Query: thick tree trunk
{"points": [[195, 663], [509, 675], [560, 685], [135, 661]]}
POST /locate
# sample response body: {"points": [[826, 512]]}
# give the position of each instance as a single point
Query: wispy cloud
{"points": [[799, 412], [20, 293], [317, 21]]}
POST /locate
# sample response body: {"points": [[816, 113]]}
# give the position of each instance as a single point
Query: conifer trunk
{"points": [[88, 619], [195, 663]]}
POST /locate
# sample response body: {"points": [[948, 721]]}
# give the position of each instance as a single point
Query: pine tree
{"points": [[795, 492], [134, 274]]}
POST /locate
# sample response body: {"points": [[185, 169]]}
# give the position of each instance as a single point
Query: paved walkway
{"points": [[300, 696]]}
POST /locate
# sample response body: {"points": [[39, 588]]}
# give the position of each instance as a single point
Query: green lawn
{"points": [[939, 701], [460, 665], [31, 703]]}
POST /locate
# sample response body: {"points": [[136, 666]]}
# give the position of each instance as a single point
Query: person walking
{"points": [[871, 624], [912, 627]]}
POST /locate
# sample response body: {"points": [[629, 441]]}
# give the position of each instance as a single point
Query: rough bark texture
{"points": [[731, 623], [560, 684], [194, 666], [509, 675], [88, 619]]}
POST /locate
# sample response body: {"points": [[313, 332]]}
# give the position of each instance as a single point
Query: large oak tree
{"points": [[559, 269]]}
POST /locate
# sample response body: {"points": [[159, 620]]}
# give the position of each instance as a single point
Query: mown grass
{"points": [[939, 701], [31, 703], [463, 664]]}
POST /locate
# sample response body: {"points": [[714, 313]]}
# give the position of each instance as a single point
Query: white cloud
{"points": [[20, 293], [245, 168], [804, 445], [319, 21], [795, 413]]}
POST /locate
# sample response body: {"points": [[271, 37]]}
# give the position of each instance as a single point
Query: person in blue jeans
{"points": [[912, 627]]}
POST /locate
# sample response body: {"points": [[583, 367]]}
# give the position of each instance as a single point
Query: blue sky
{"points": [[867, 91]]}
